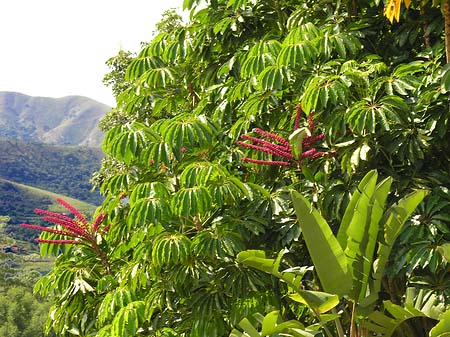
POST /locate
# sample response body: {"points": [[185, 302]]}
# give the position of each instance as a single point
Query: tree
{"points": [[224, 117]]}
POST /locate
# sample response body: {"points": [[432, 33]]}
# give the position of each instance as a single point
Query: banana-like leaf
{"points": [[322, 302], [348, 215], [328, 256], [271, 325], [318, 301], [394, 220], [362, 233], [442, 329], [386, 326]]}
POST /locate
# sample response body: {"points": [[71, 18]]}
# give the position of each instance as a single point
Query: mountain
{"points": [[70, 120], [60, 169]]}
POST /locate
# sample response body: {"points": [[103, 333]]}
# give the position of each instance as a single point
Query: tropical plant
{"points": [[182, 201], [351, 264]]}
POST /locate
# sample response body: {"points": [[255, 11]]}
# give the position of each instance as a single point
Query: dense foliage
{"points": [[184, 197], [22, 314]]}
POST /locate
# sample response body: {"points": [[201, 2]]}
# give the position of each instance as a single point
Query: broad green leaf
{"points": [[328, 257], [394, 220], [320, 301], [363, 231], [442, 329], [445, 251], [349, 211]]}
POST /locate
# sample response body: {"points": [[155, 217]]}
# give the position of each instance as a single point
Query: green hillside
{"points": [[18, 201], [61, 169]]}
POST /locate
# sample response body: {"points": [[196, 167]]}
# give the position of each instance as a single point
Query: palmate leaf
{"points": [[217, 243], [113, 302], [201, 174], [149, 210], [300, 47], [125, 142], [340, 42], [326, 253], [364, 116], [271, 78], [126, 322], [402, 81], [158, 154], [260, 56], [323, 90], [142, 64], [171, 248], [157, 77], [228, 191], [236, 4], [187, 131], [191, 201], [118, 183]]}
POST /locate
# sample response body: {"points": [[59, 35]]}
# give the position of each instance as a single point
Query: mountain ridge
{"points": [[68, 120]]}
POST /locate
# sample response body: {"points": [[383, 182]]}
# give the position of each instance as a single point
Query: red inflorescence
{"points": [[78, 228], [280, 147]]}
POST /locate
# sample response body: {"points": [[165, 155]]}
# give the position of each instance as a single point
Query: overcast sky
{"points": [[57, 48]]}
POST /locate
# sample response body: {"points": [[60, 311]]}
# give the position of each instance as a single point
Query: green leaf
{"points": [[363, 231], [394, 220], [445, 82], [328, 257], [191, 201], [320, 301], [442, 329], [444, 250]]}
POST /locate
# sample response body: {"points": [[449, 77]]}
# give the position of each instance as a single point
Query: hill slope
{"points": [[18, 201], [60, 169], [71, 120]]}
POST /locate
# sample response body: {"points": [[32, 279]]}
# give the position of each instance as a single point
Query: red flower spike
{"points": [[60, 242], [311, 122], [280, 147], [309, 153], [74, 211], [297, 117], [266, 162], [98, 221], [68, 225], [273, 136], [77, 228], [46, 229]]}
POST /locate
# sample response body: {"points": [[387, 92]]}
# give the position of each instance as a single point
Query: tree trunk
{"points": [[446, 11]]}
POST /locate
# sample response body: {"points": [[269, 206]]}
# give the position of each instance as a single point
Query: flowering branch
{"points": [[302, 148], [78, 229]]}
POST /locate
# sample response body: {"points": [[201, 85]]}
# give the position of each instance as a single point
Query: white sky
{"points": [[57, 48]]}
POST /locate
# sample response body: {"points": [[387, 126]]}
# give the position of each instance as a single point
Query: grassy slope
{"points": [[18, 201]]}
